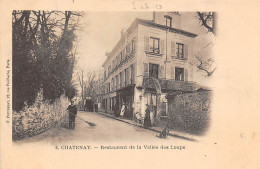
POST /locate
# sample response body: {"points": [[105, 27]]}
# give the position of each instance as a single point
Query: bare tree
{"points": [[202, 62], [90, 89], [208, 20], [81, 81]]}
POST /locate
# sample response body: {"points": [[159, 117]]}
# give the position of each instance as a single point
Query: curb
{"points": [[151, 129]]}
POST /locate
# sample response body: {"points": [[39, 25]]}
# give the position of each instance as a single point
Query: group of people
{"points": [[72, 109]]}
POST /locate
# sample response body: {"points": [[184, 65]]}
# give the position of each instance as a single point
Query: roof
{"points": [[164, 27]]}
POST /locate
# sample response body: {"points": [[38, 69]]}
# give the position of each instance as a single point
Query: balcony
{"points": [[165, 84], [127, 58]]}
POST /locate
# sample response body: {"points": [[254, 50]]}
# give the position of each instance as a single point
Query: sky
{"points": [[101, 33]]}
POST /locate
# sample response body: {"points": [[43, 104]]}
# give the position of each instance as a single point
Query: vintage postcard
{"points": [[129, 84]]}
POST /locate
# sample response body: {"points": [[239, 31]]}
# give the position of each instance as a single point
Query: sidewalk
{"points": [[157, 129]]}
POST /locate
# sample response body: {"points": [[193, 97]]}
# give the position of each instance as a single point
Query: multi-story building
{"points": [[151, 58]]}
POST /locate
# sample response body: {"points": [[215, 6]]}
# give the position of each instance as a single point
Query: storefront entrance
{"points": [[151, 100], [126, 97]]}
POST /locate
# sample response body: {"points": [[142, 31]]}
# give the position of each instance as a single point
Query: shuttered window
{"points": [[133, 46], [154, 45], [128, 48], [132, 74], [153, 70], [116, 81], [180, 50], [126, 76], [179, 74]]}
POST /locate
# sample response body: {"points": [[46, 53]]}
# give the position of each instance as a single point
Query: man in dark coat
{"points": [[72, 114]]}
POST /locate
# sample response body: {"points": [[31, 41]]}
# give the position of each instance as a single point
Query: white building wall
{"points": [[171, 37]]}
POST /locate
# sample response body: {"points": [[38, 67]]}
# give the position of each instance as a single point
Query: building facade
{"points": [[151, 58]]}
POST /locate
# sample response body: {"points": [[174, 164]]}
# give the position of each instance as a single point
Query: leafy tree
{"points": [[43, 42]]}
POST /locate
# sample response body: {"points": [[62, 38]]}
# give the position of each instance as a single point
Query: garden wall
{"points": [[189, 112], [39, 117]]}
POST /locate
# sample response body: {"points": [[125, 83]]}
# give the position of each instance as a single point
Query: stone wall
{"points": [[39, 117], [189, 112]]}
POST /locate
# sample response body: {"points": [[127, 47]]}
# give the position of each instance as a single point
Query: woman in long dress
{"points": [[122, 110], [147, 119]]}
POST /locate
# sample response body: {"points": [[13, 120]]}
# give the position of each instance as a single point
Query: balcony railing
{"points": [[127, 58], [166, 84]]}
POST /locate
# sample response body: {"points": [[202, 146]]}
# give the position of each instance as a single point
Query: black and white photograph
{"points": [[129, 84], [112, 76]]}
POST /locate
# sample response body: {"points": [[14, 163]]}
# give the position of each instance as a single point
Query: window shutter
{"points": [[172, 72], [128, 75], [162, 47], [186, 51], [173, 53], [161, 69], [146, 43], [135, 47], [133, 74], [123, 78], [129, 47], [185, 74], [146, 70], [168, 72]]}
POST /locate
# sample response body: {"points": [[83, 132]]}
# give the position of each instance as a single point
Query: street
{"points": [[106, 130]]}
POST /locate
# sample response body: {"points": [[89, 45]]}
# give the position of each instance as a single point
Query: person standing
{"points": [[122, 113], [147, 119], [72, 109]]}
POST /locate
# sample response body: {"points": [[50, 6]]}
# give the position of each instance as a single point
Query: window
{"points": [[179, 50], [123, 54], [117, 81], [121, 57], [153, 70], [108, 87], [113, 64], [133, 46], [113, 84], [179, 74], [121, 79], [127, 48], [154, 45], [109, 69], [126, 76], [117, 60], [132, 74], [168, 21]]}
